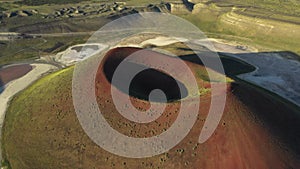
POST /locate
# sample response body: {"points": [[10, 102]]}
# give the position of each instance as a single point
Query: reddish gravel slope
{"points": [[46, 133]]}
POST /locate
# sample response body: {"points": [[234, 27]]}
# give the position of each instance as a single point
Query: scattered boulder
{"points": [[10, 14], [153, 8], [58, 13], [23, 13], [178, 7], [241, 47], [34, 11], [200, 7]]}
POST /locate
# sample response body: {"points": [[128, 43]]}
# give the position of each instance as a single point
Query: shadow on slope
{"points": [[2, 86], [276, 113], [145, 81]]}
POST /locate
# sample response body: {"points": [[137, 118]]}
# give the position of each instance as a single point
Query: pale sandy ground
{"points": [[71, 56], [67, 57], [17, 85], [162, 41], [274, 72]]}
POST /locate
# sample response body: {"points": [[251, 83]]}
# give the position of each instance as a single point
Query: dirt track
{"points": [[19, 84]]}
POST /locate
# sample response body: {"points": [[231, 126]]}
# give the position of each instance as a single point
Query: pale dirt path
{"points": [[17, 85]]}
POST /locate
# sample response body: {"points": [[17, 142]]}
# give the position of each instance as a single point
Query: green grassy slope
{"points": [[30, 101], [290, 7], [265, 29], [41, 130], [30, 49]]}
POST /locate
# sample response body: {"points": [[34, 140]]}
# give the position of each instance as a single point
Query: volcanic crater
{"points": [[253, 133], [145, 81]]}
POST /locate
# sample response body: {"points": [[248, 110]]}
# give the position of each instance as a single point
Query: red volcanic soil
{"points": [[10, 73], [241, 140], [50, 136]]}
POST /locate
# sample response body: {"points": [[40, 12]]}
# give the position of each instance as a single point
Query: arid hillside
{"points": [[42, 131]]}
